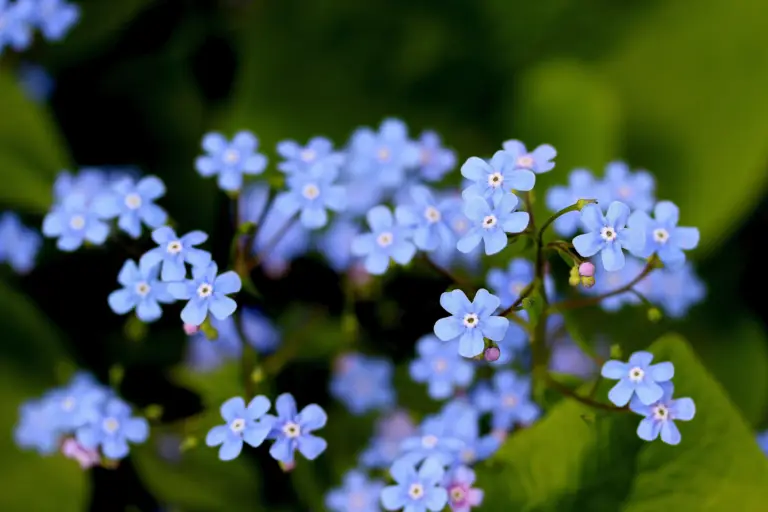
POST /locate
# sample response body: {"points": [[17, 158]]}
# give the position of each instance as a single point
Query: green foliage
{"points": [[566, 463], [31, 149]]}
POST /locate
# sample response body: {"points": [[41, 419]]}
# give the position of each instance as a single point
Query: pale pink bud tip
{"points": [[587, 269], [190, 329], [492, 354], [86, 458]]}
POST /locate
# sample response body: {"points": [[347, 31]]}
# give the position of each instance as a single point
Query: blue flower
{"points": [[173, 251], [207, 291], [77, 403], [675, 291], [300, 159], [446, 255], [259, 331], [539, 160], [416, 491], [336, 243], [470, 321], [435, 160], [663, 236], [36, 82], [358, 494], [390, 432], [495, 179], [382, 156], [19, 244], [142, 291], [661, 415], [636, 190], [581, 185], [73, 222], [606, 282], [462, 496], [637, 378], [462, 421], [293, 431], [112, 430], [441, 367], [54, 18], [607, 235], [230, 160], [89, 184], [15, 24], [386, 240], [36, 429], [437, 439], [362, 195], [312, 192], [363, 383], [426, 216], [508, 400], [249, 424], [513, 342], [132, 203], [491, 225], [509, 284]]}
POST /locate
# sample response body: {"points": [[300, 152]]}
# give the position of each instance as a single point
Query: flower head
{"points": [[434, 159], [390, 431], [441, 367], [363, 383], [508, 400], [607, 234], [636, 190], [301, 158], [207, 292], [293, 431], [244, 424], [132, 203], [427, 217], [54, 18], [112, 430], [470, 322], [382, 157], [230, 160], [660, 416], [663, 236], [36, 428], [461, 495], [416, 490], [675, 291], [497, 178], [16, 24], [142, 290], [581, 185], [539, 160], [358, 494], [491, 224], [19, 244], [173, 251], [385, 240], [312, 192], [638, 378], [436, 438], [74, 222]]}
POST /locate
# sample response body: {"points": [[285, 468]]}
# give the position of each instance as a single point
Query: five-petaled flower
{"points": [[662, 234], [416, 491], [470, 322], [607, 234], [142, 290], [173, 251], [637, 378], [112, 430], [386, 240], [660, 416], [230, 160], [312, 192], [207, 291], [491, 224], [539, 160], [497, 178], [244, 424], [293, 431], [132, 203]]}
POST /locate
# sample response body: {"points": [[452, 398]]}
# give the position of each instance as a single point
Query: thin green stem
{"points": [[566, 391], [447, 274]]}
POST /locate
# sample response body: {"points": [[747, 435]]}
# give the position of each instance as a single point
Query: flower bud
{"points": [[73, 450], [587, 269], [587, 282], [190, 329], [574, 279], [492, 354], [654, 315]]}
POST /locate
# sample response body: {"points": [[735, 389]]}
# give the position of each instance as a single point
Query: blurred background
{"points": [[675, 87]]}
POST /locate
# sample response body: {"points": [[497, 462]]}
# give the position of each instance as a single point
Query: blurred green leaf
{"points": [[31, 149], [566, 463]]}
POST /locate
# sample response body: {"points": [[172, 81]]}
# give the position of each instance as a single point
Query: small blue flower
{"points": [[508, 400], [112, 430], [390, 431], [230, 160], [581, 185], [207, 292], [425, 215], [462, 421], [73, 222], [661, 415], [441, 367], [16, 24], [77, 403], [336, 243], [363, 383], [636, 190], [437, 439], [675, 291], [435, 160], [606, 282], [301, 159], [386, 240], [491, 225], [637, 378], [358, 494], [383, 156], [173, 251], [293, 431], [249, 424], [462, 496], [36, 82], [608, 235], [416, 491], [54, 18], [132, 203], [663, 236], [19, 244], [539, 160], [509, 284], [470, 321], [312, 192], [36, 429], [495, 179], [89, 184], [142, 290], [259, 331], [446, 255]]}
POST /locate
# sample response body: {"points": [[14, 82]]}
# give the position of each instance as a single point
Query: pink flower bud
{"points": [[87, 458], [190, 329], [587, 269], [492, 354]]}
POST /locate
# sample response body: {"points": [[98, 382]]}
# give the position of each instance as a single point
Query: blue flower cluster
{"points": [[19, 244], [19, 18], [84, 419]]}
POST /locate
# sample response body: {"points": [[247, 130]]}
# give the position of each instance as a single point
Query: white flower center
{"points": [[111, 425], [608, 234], [291, 430], [660, 235], [385, 239], [231, 156], [510, 400], [495, 180], [237, 426], [457, 494], [143, 288], [432, 214], [133, 201], [310, 191], [204, 290], [489, 221], [416, 491], [429, 441], [660, 412], [77, 222], [68, 403], [308, 155], [525, 161], [173, 247], [383, 154], [440, 365], [471, 320], [636, 374]]}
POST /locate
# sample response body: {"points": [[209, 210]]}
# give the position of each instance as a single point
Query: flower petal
{"points": [[592, 218], [449, 328], [612, 257], [588, 244]]}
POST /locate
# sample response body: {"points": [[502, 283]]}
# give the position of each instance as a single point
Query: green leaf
{"points": [[566, 463], [31, 150]]}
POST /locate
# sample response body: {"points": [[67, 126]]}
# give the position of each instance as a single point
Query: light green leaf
{"points": [[31, 149], [564, 463]]}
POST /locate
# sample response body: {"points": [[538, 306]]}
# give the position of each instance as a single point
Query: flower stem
{"points": [[447, 274], [566, 391]]}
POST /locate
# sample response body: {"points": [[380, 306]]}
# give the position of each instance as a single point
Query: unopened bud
{"points": [[86, 458], [492, 354], [587, 269], [287, 466], [616, 351], [188, 443], [587, 282], [654, 315], [574, 278], [581, 203], [190, 329]]}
